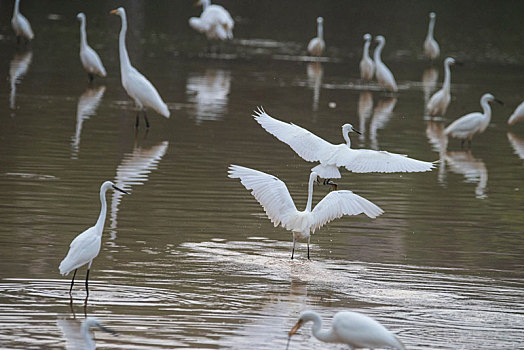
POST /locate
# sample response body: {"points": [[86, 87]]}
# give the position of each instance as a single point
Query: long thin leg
{"points": [[308, 247], [462, 143], [293, 250], [87, 288], [137, 119], [333, 185], [145, 117], [91, 77], [72, 282]]}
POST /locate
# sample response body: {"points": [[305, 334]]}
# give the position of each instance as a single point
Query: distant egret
{"points": [[21, 25], [367, 67], [351, 328], [473, 123], [86, 246], [17, 69], [384, 76], [314, 149], [274, 197], [316, 45], [431, 48], [90, 59], [439, 102], [136, 85], [215, 21], [517, 115]]}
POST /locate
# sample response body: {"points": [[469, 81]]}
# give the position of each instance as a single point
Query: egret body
{"points": [[367, 67], [384, 76], [89, 58], [439, 102], [215, 21], [316, 45], [431, 48], [21, 25], [517, 115]]}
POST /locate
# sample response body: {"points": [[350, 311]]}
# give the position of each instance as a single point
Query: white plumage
{"points": [[89, 58], [351, 328], [431, 48], [274, 197], [20, 24], [315, 149], [136, 85], [517, 115], [439, 102], [215, 21], [316, 45], [384, 76], [367, 66]]}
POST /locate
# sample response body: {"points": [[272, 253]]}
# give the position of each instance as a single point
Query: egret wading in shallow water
{"points": [[316, 45], [89, 58], [215, 21], [274, 197], [431, 48], [136, 85], [517, 115], [473, 123], [439, 102], [314, 149], [384, 76], [86, 246], [21, 25], [367, 67], [351, 328]]}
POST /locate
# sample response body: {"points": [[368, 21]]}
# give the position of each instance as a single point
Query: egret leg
{"points": [[333, 185], [72, 282], [308, 247], [137, 119], [293, 250], [91, 77], [87, 288], [147, 121]]}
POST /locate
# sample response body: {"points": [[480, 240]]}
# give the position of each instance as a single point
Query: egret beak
{"points": [[499, 101], [296, 327], [107, 330], [119, 189], [288, 340], [355, 130], [113, 12]]}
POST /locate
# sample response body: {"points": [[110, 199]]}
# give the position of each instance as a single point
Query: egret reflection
{"points": [[17, 69], [315, 71], [134, 170], [78, 334], [473, 169], [429, 83], [439, 143], [86, 107], [517, 144], [209, 92], [365, 109], [381, 115]]}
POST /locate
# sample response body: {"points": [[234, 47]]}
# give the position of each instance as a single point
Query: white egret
{"points": [[136, 85], [21, 25], [384, 76], [473, 123], [431, 48], [517, 115], [314, 149], [316, 45], [351, 328], [439, 102], [367, 66], [86, 246], [215, 21], [89, 58], [274, 197]]}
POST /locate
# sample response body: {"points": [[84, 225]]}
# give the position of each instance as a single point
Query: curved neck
{"points": [[447, 77], [83, 37], [17, 6], [365, 54], [103, 210], [486, 108], [320, 30], [322, 335], [431, 26], [310, 191], [345, 134], [205, 4], [124, 58], [378, 52]]}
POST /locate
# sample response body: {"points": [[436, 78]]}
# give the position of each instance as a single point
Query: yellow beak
{"points": [[295, 327], [113, 12]]}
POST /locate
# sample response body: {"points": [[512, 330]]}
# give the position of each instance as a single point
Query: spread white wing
{"points": [[368, 161]]}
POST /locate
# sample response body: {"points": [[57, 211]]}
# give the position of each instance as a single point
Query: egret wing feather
{"points": [[84, 248], [466, 125], [366, 161], [141, 89]]}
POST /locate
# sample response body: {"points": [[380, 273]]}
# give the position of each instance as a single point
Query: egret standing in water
{"points": [[473, 123], [351, 328], [384, 76], [21, 25], [367, 67], [86, 246], [431, 48], [274, 197], [316, 46], [136, 85], [439, 102], [517, 115], [215, 21], [90, 59]]}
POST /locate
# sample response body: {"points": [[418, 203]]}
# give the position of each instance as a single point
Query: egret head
{"points": [[203, 3], [80, 16], [367, 37], [347, 128], [119, 12], [432, 15], [449, 61], [380, 39], [108, 185], [489, 97], [320, 20]]}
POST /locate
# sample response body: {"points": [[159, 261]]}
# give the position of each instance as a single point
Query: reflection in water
{"points": [[473, 169], [439, 143], [381, 115], [315, 71], [517, 144], [77, 334], [17, 69], [209, 93], [134, 170], [86, 107], [365, 108], [429, 83]]}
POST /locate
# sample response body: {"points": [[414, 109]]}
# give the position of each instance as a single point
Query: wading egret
{"points": [[316, 45], [315, 149], [517, 115], [439, 102], [367, 67], [21, 25], [384, 76], [351, 328], [473, 123], [274, 197], [90, 59], [431, 48], [136, 85], [215, 21], [86, 246]]}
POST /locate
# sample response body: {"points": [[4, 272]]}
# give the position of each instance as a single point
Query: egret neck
{"points": [[124, 58], [312, 178], [103, 210]]}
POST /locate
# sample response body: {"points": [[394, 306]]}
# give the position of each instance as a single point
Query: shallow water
{"points": [[189, 258]]}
